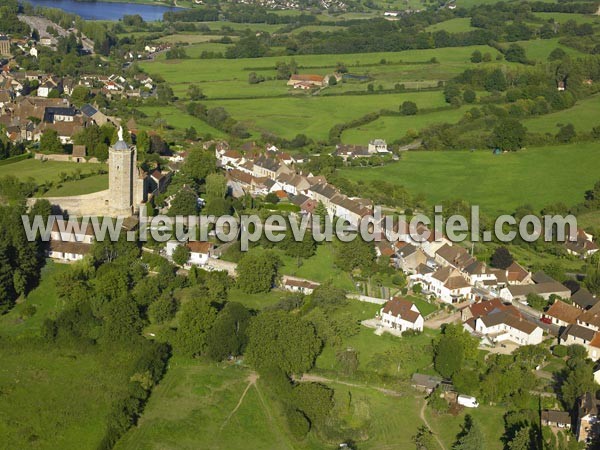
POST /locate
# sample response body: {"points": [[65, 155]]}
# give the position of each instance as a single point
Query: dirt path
{"points": [[318, 379], [251, 382], [422, 416]]}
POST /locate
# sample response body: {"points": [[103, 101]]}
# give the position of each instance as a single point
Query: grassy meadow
{"points": [[498, 183], [585, 115]]}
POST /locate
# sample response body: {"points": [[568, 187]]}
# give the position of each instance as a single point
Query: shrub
{"points": [[560, 351]]}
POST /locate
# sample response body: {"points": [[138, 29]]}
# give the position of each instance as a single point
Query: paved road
{"points": [[41, 24]]}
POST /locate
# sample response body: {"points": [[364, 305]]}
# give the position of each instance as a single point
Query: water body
{"points": [[105, 10]]}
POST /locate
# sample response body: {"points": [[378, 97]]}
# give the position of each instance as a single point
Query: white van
{"points": [[467, 401]]}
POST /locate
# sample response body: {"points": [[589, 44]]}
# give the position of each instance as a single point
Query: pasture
{"points": [[392, 128], [175, 118], [585, 115], [498, 183], [86, 185], [314, 116], [458, 25]]}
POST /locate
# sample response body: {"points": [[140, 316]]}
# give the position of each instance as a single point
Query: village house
{"points": [[68, 251], [49, 85], [584, 299], [200, 252], [562, 314], [517, 274], [400, 314], [584, 246], [70, 241], [453, 256], [425, 383], [300, 285], [588, 423], [409, 257], [542, 285], [504, 324], [556, 419], [446, 283]]}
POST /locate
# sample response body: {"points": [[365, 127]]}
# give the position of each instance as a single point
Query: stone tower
{"points": [[122, 177]]}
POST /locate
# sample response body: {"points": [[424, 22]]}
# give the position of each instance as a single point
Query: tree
{"points": [[50, 143], [348, 361], [185, 203], [515, 53], [164, 93], [557, 54], [315, 400], [424, 439], [199, 164], [191, 134], [195, 320], [522, 440], [509, 134], [80, 95], [181, 255], [476, 57], [257, 271], [566, 133], [332, 81], [501, 259], [228, 336], [579, 379], [162, 309], [408, 108], [536, 301], [495, 81], [469, 96], [195, 93], [449, 355], [356, 254], [278, 341], [471, 437]]}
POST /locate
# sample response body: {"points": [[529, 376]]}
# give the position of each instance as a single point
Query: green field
{"points": [[458, 25], [585, 115], [314, 116], [392, 128], [86, 185], [498, 183], [43, 297], [41, 172], [56, 397], [563, 17], [539, 49], [176, 119]]}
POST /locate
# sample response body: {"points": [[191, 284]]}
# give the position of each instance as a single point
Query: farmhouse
{"points": [[587, 424], [307, 80], [401, 315], [68, 251], [508, 325], [446, 283], [543, 285]]}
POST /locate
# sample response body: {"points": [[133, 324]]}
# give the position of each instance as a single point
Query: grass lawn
{"points": [[44, 171], [188, 38], [392, 128], [458, 25], [194, 407], [55, 397], [585, 115], [498, 183], [86, 185], [43, 297], [591, 219], [318, 268], [255, 301], [490, 419], [424, 307]]}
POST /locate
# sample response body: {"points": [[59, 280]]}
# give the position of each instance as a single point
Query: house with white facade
{"points": [[446, 283], [200, 252], [400, 314], [300, 285], [506, 326]]}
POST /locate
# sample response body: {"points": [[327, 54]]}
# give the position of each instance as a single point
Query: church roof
{"points": [[121, 145]]}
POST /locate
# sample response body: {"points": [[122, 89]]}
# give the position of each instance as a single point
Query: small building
{"points": [[4, 45], [587, 425], [293, 284], [425, 383], [66, 251], [401, 315], [562, 314], [556, 419]]}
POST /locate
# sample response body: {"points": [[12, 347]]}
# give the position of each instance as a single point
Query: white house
{"points": [[506, 326], [68, 251], [446, 283], [401, 315], [72, 231], [200, 252], [301, 285]]}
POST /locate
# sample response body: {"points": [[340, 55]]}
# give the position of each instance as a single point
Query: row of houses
{"points": [[273, 171]]}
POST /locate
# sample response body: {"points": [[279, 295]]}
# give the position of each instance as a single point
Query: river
{"points": [[105, 10]]}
